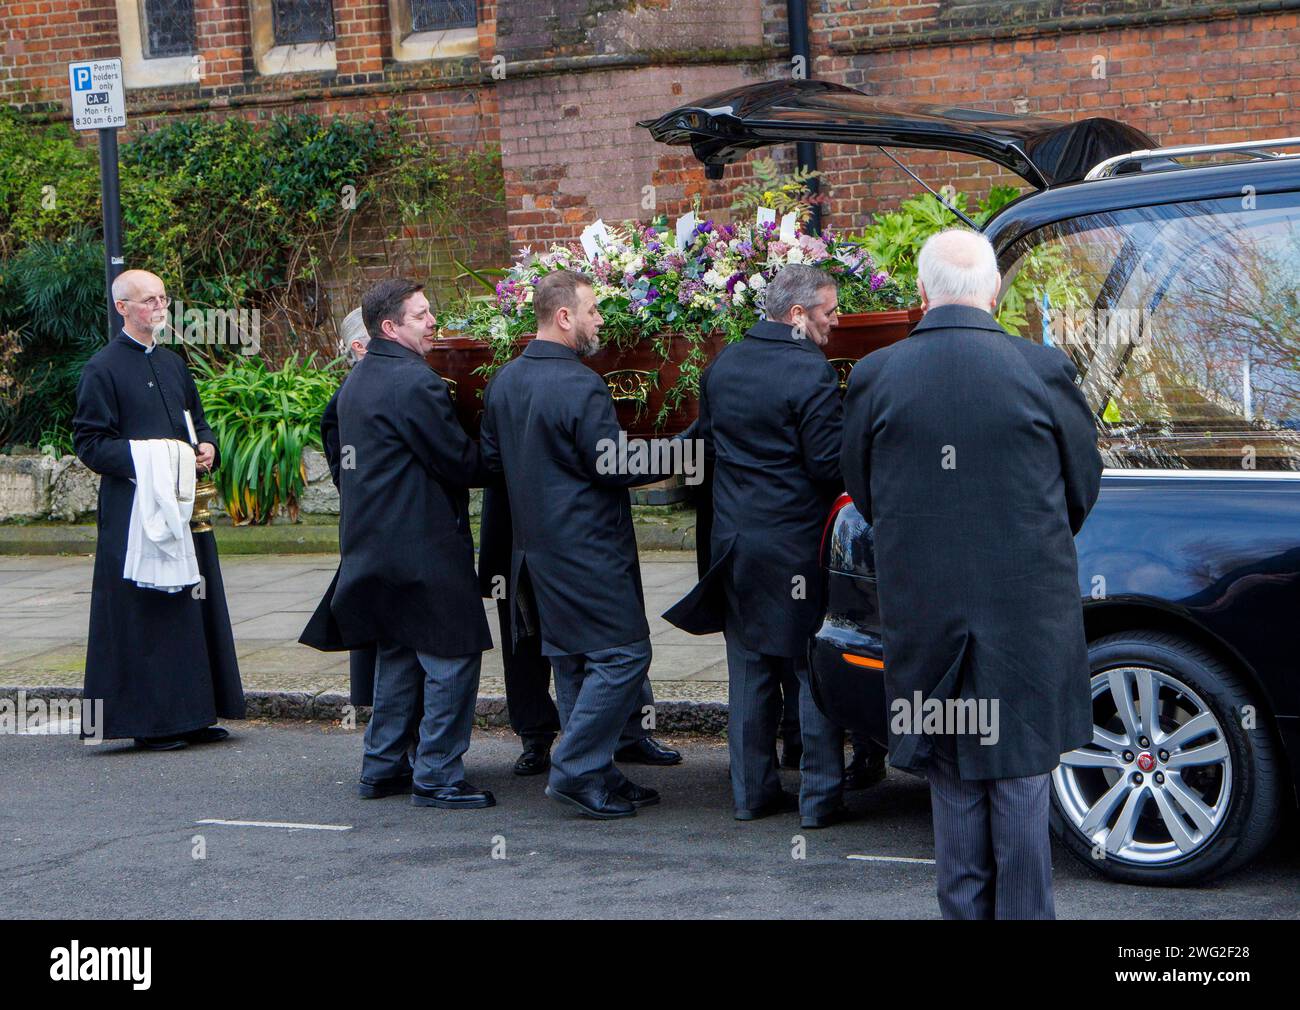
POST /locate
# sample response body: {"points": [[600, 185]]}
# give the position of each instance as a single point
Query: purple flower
{"points": [[731, 281], [878, 280]]}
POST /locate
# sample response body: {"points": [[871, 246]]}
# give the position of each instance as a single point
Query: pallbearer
{"points": [[574, 574], [771, 420], [322, 631], [406, 580], [162, 662]]}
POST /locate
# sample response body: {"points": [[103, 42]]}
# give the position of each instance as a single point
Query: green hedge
{"points": [[231, 213]]}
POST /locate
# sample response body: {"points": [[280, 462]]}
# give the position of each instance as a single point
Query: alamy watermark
{"points": [[644, 457], [75, 963], [212, 328], [945, 717], [1100, 327], [24, 716]]}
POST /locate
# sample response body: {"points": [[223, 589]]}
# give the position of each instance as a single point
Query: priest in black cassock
{"points": [[163, 663]]}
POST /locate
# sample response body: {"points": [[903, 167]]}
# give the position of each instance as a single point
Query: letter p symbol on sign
{"points": [[81, 79]]}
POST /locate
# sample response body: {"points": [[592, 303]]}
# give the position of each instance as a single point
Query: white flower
{"points": [[740, 288], [795, 255], [756, 282], [714, 279]]}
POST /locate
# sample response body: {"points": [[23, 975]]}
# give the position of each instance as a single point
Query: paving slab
{"points": [[45, 612]]}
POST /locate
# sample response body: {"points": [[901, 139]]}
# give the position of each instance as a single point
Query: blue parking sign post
{"points": [[99, 103]]}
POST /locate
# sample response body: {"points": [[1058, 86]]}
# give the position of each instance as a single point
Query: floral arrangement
{"points": [[647, 286]]}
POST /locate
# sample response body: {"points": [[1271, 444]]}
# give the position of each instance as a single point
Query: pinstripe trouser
{"points": [[991, 843], [596, 692], [754, 711], [425, 697]]}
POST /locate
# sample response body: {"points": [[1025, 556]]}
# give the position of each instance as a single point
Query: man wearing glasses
{"points": [[162, 662]]}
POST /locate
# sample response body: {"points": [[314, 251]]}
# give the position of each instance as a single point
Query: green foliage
{"points": [[232, 210], [49, 185], [56, 441], [51, 321], [894, 238], [231, 213], [263, 420], [780, 191]]}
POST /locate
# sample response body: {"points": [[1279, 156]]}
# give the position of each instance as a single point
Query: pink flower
{"points": [[814, 247]]}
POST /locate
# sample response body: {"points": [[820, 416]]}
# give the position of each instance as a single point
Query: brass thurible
{"points": [[201, 518]]}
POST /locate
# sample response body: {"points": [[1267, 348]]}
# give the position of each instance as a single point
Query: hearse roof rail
{"points": [[1258, 149]]}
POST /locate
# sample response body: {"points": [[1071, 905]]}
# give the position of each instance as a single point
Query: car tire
{"points": [[1249, 816]]}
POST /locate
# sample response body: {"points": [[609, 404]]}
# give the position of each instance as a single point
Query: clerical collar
{"points": [[148, 348]]}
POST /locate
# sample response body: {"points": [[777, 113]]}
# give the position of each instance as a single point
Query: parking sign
{"points": [[98, 94]]}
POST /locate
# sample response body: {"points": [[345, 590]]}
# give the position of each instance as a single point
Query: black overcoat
{"points": [[545, 418], [322, 631], [974, 456], [407, 569], [329, 434], [770, 416], [163, 663]]}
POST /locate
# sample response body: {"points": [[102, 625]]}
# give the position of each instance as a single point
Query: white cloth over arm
{"points": [[159, 545]]}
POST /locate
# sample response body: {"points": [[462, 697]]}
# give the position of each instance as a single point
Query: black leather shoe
{"points": [[638, 796], [791, 753], [784, 803], [457, 796], [598, 803], [385, 787], [837, 816], [648, 751], [160, 743], [865, 772], [208, 734], [533, 761]]}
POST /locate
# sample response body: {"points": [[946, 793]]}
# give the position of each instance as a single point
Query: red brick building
{"points": [[558, 85]]}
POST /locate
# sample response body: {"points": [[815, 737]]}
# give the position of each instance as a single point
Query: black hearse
{"points": [[1172, 278]]}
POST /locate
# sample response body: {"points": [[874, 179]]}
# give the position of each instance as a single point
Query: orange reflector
{"points": [[867, 661]]}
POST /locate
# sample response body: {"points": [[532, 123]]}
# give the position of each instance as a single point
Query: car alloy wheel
{"points": [[1154, 786]]}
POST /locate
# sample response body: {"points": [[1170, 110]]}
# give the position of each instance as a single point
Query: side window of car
{"points": [[1184, 322]]}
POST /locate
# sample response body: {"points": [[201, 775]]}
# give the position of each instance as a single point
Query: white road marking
{"points": [[893, 859], [276, 824]]}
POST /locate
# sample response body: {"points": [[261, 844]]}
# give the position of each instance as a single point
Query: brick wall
{"points": [[39, 39], [559, 85], [1181, 71]]}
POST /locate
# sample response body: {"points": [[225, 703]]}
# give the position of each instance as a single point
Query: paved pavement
{"points": [[109, 832], [45, 606]]}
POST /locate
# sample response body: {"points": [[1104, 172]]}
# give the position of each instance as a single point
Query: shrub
{"points": [[51, 321], [263, 420], [231, 213]]}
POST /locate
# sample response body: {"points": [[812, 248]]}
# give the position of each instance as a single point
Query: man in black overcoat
{"points": [[532, 713], [974, 456], [770, 415], [163, 663], [548, 421], [361, 661], [406, 580]]}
